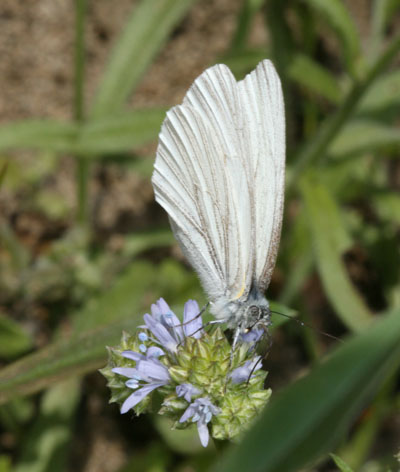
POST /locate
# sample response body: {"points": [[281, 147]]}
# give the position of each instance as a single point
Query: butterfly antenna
{"points": [[260, 359], [195, 318], [302, 323]]}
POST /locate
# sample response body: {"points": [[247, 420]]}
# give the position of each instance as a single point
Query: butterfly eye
{"points": [[254, 310]]}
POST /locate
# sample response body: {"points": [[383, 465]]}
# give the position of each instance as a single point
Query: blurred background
{"points": [[85, 250]]}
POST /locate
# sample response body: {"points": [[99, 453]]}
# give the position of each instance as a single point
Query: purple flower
{"points": [[164, 315], [252, 336], [186, 391], [192, 322], [242, 373], [201, 411], [166, 327], [148, 374]]}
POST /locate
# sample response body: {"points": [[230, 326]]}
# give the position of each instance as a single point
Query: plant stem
{"points": [[79, 108], [316, 147]]}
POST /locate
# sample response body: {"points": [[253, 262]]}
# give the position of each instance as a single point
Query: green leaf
{"points": [[364, 137], [341, 463], [310, 417], [5, 463], [121, 132], [314, 77], [116, 133], [14, 340], [46, 135], [338, 17], [244, 22], [387, 206], [62, 359], [330, 240], [383, 94], [44, 448], [149, 26], [118, 309], [316, 147]]}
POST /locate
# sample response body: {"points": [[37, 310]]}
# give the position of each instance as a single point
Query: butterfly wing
{"points": [[264, 114], [206, 178]]}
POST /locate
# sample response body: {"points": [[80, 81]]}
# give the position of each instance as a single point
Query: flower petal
{"points": [[130, 372], [135, 356], [187, 390], [161, 333], [242, 373], [252, 336], [189, 412], [203, 433], [192, 322], [163, 313], [137, 396], [154, 370]]}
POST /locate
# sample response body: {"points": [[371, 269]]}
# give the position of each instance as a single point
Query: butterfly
{"points": [[219, 173]]}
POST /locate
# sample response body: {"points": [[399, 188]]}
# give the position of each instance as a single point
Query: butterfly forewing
{"points": [[219, 175]]}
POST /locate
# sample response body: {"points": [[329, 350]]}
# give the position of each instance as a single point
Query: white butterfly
{"points": [[219, 173]]}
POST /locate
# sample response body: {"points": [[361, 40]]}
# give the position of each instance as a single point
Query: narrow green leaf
{"points": [[310, 417], [281, 36], [117, 133], [314, 77], [364, 136], [13, 339], [330, 240], [383, 94], [62, 359], [317, 145], [118, 309], [121, 132], [39, 134], [244, 21], [386, 204], [150, 24], [383, 11], [298, 259], [338, 17], [341, 463]]}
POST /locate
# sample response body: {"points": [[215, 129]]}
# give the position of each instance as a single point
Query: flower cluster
{"points": [[195, 373]]}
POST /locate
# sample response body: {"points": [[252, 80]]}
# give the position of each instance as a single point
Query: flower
{"points": [[201, 412], [192, 322], [252, 336], [187, 390], [182, 361], [244, 372], [148, 374], [166, 327]]}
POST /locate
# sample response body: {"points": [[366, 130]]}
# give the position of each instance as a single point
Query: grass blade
{"points": [[364, 136], [308, 419], [145, 33], [338, 17], [313, 77], [317, 145], [118, 133], [329, 242]]}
